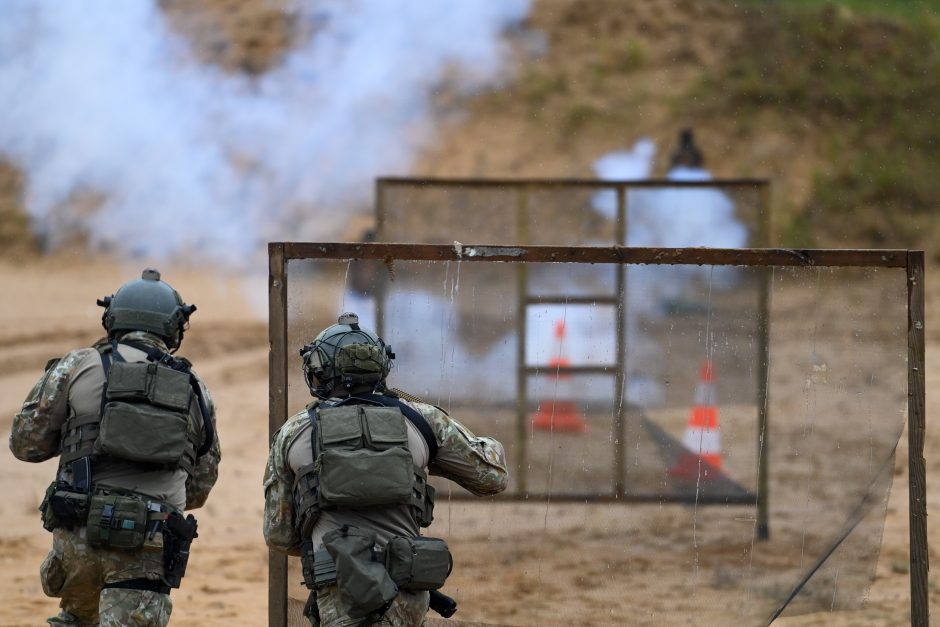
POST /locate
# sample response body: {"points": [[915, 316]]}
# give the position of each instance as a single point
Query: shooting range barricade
{"points": [[500, 210], [912, 262]]}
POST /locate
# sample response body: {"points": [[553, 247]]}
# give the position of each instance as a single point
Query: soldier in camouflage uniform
{"points": [[348, 365], [98, 582]]}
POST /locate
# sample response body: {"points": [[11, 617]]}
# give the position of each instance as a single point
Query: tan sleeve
{"points": [[477, 464], [280, 526], [206, 471], [37, 427]]}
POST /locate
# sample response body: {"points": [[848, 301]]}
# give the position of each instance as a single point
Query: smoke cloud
{"points": [[101, 96]]}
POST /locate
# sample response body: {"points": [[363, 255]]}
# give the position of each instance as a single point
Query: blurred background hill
{"points": [[837, 102]]}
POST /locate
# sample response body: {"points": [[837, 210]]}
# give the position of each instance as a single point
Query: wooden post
{"points": [[277, 410], [380, 278], [620, 378], [522, 380], [916, 421], [763, 371]]}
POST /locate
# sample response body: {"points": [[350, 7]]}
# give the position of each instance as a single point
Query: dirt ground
{"points": [[49, 308]]}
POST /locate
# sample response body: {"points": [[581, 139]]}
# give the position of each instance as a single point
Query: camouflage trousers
{"points": [[76, 573], [407, 610]]}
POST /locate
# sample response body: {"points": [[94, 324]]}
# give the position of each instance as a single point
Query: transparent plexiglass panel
{"points": [[633, 501]]}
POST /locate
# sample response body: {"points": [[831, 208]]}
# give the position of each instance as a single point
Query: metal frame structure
{"points": [[524, 188], [281, 253]]}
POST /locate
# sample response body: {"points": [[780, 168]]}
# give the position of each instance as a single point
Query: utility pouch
{"points": [[178, 535], [117, 521], [384, 427], [424, 501], [365, 478], [365, 588], [142, 433], [151, 383], [339, 427], [63, 507], [418, 563]]}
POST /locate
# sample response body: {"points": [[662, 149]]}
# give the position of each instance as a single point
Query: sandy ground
{"points": [[501, 576]]}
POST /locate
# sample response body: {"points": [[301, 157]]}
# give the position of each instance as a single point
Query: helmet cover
{"points": [[346, 355]]}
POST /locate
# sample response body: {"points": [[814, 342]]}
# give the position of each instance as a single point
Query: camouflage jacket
{"points": [[478, 464], [36, 433]]}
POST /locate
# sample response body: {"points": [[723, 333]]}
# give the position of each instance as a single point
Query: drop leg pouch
{"points": [[364, 585]]}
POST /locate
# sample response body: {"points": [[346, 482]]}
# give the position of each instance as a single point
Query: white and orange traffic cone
{"points": [[701, 457], [560, 413]]}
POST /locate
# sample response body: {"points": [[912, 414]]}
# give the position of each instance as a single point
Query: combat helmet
{"points": [[345, 355], [147, 304]]}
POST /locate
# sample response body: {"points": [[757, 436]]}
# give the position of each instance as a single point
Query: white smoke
{"points": [[622, 165], [669, 217], [101, 95], [665, 216]]}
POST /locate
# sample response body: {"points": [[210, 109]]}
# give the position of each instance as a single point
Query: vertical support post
{"points": [[277, 410], [380, 237], [620, 378], [380, 210], [522, 392], [916, 425], [763, 372]]}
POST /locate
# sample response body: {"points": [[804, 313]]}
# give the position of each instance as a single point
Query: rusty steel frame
{"points": [[523, 187], [635, 255], [280, 253], [567, 182]]}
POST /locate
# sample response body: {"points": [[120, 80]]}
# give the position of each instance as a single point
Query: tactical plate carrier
{"points": [[361, 459]]}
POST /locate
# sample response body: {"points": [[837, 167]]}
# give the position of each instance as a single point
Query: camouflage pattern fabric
{"points": [[76, 572], [407, 610], [206, 471], [37, 426], [476, 463]]}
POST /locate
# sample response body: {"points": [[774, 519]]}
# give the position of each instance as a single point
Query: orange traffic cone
{"points": [[560, 413], [701, 456]]}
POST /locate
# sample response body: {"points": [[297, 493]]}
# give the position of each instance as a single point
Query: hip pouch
{"points": [[178, 535], [365, 588], [117, 521], [416, 564], [63, 507], [146, 416]]}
